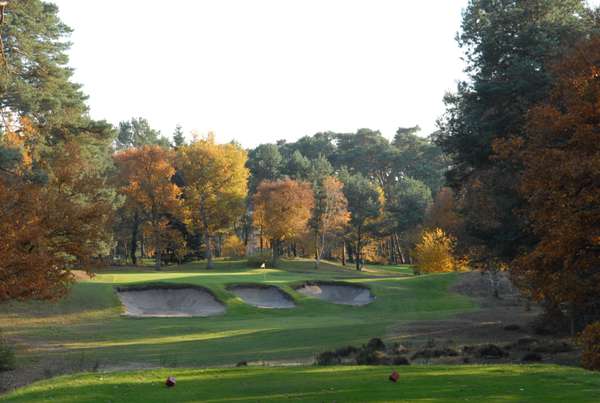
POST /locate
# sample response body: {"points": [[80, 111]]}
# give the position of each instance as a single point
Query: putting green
{"points": [[494, 383]]}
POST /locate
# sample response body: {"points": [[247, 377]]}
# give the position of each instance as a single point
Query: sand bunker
{"points": [[169, 301], [263, 296], [338, 293]]}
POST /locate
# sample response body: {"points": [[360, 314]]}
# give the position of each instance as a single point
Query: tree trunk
{"points": [[157, 251], [207, 236], [142, 245], [134, 238], [261, 239], [393, 255], [317, 254], [399, 250], [209, 256], [358, 251], [344, 252], [275, 247]]}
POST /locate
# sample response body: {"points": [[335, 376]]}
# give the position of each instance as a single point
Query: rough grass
{"points": [[494, 383], [89, 324]]}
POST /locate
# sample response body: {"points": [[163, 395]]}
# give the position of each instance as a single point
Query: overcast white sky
{"points": [[262, 70]]}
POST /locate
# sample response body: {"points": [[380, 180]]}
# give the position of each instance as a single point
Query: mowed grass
{"points": [[87, 327], [494, 383]]}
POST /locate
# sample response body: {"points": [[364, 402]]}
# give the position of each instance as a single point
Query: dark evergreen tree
{"points": [[178, 137]]}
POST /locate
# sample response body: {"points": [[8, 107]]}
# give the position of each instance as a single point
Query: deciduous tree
{"points": [[365, 201], [146, 174], [215, 186], [560, 181], [282, 209], [330, 214], [54, 216]]}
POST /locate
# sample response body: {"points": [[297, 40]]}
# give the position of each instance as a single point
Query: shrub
{"points": [[233, 247], [400, 360], [590, 341], [491, 351], [258, 259], [435, 353], [8, 359], [328, 358], [372, 357], [532, 357], [434, 253], [376, 344], [346, 351]]}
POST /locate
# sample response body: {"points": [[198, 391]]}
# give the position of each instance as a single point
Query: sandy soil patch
{"points": [[262, 296], [338, 293], [169, 301]]}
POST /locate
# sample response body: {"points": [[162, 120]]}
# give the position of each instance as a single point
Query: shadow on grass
{"points": [[425, 384]]}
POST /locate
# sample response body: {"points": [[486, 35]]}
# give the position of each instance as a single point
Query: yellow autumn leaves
{"points": [[434, 253]]}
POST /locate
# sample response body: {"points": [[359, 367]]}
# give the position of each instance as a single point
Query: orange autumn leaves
{"points": [[215, 184], [560, 182], [145, 180], [54, 216], [284, 210], [209, 196]]}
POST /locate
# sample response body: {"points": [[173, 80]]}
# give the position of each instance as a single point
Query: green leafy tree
{"points": [[368, 153], [178, 137], [419, 158], [298, 166], [319, 169], [408, 201], [265, 163], [35, 80], [406, 204], [137, 132], [364, 203]]}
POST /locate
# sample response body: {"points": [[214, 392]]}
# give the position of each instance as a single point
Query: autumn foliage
{"points": [[330, 215], [233, 246], [282, 210], [54, 216], [434, 253], [590, 341], [145, 174], [560, 182], [215, 183]]}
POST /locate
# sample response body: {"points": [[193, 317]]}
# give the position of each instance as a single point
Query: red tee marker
{"points": [[170, 382], [394, 377]]}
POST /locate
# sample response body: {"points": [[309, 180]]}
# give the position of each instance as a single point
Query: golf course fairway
{"points": [[493, 383]]}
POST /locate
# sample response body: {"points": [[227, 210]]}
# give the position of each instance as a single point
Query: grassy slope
{"points": [[87, 326], [423, 383]]}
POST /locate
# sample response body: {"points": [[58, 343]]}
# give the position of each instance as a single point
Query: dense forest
{"points": [[509, 182]]}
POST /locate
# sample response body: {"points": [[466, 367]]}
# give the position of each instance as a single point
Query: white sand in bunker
{"points": [[261, 296], [167, 301], [345, 294]]}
